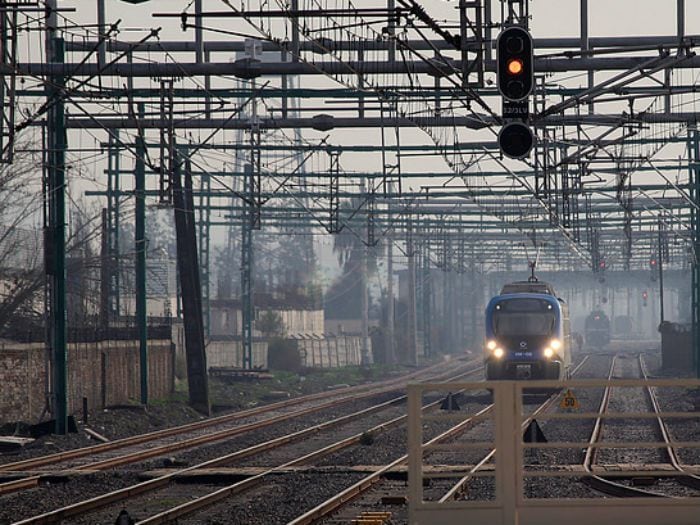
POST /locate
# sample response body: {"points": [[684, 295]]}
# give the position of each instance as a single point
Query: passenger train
{"points": [[528, 333], [597, 329]]}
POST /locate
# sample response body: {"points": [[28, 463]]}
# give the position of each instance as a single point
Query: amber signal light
{"points": [[515, 64], [515, 67]]}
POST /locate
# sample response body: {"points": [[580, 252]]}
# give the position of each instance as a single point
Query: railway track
{"points": [[597, 481], [77, 510], [593, 479], [363, 486], [642, 399], [690, 480], [145, 446], [458, 489], [203, 497]]}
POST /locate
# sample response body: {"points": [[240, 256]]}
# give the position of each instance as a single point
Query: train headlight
{"points": [[555, 344], [548, 353], [498, 353], [491, 345]]}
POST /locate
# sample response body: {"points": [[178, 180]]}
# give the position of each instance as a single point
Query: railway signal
{"points": [[515, 63], [515, 81], [653, 266], [516, 140]]}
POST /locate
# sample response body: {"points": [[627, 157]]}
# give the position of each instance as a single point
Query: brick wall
{"points": [[17, 390], [106, 373]]}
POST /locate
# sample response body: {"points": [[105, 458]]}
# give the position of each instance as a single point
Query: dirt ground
{"points": [[118, 422]]}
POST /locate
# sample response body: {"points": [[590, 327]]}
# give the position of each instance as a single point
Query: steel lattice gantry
{"points": [[615, 164]]}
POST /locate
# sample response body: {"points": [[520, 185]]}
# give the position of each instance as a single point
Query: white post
{"points": [[507, 430], [518, 450]]}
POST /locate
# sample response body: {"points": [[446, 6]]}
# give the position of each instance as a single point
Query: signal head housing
{"points": [[516, 140], [515, 63]]}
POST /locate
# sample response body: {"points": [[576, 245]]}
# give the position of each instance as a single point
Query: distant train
{"points": [[597, 329], [528, 333]]}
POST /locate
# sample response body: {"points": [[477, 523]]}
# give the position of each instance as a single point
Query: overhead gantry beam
{"points": [[419, 45], [248, 69], [325, 122]]}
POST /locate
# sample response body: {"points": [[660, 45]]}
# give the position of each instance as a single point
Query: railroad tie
{"points": [[372, 518]]}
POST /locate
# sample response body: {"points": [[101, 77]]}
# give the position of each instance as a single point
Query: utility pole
{"points": [[251, 220], [412, 346], [640, 324], [427, 303], [113, 217], [204, 247], [694, 185], [101, 31], [189, 284], [585, 45], [364, 299], [661, 272], [412, 321], [364, 307], [140, 246], [247, 305], [57, 250], [653, 317], [448, 330], [390, 357], [104, 274], [475, 301], [55, 225]]}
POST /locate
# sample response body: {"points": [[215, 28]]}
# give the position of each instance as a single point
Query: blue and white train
{"points": [[528, 333]]}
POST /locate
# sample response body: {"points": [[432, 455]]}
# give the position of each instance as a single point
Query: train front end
{"points": [[526, 337]]}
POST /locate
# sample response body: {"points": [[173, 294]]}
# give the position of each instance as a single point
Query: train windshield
{"points": [[520, 317]]}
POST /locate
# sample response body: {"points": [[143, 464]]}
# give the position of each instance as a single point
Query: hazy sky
{"points": [[550, 18]]}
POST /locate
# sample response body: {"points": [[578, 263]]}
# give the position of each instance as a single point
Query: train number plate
{"points": [[523, 371]]}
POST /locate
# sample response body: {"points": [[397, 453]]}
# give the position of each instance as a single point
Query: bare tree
{"points": [[22, 272]]}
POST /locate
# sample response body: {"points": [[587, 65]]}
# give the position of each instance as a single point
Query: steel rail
{"points": [[592, 452], [460, 486], [53, 459], [172, 515], [366, 483], [86, 451], [104, 500], [688, 479], [595, 481]]}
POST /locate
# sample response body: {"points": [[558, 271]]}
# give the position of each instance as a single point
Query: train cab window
{"points": [[520, 317]]}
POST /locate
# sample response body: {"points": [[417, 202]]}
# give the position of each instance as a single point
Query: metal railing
{"points": [[504, 480]]}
